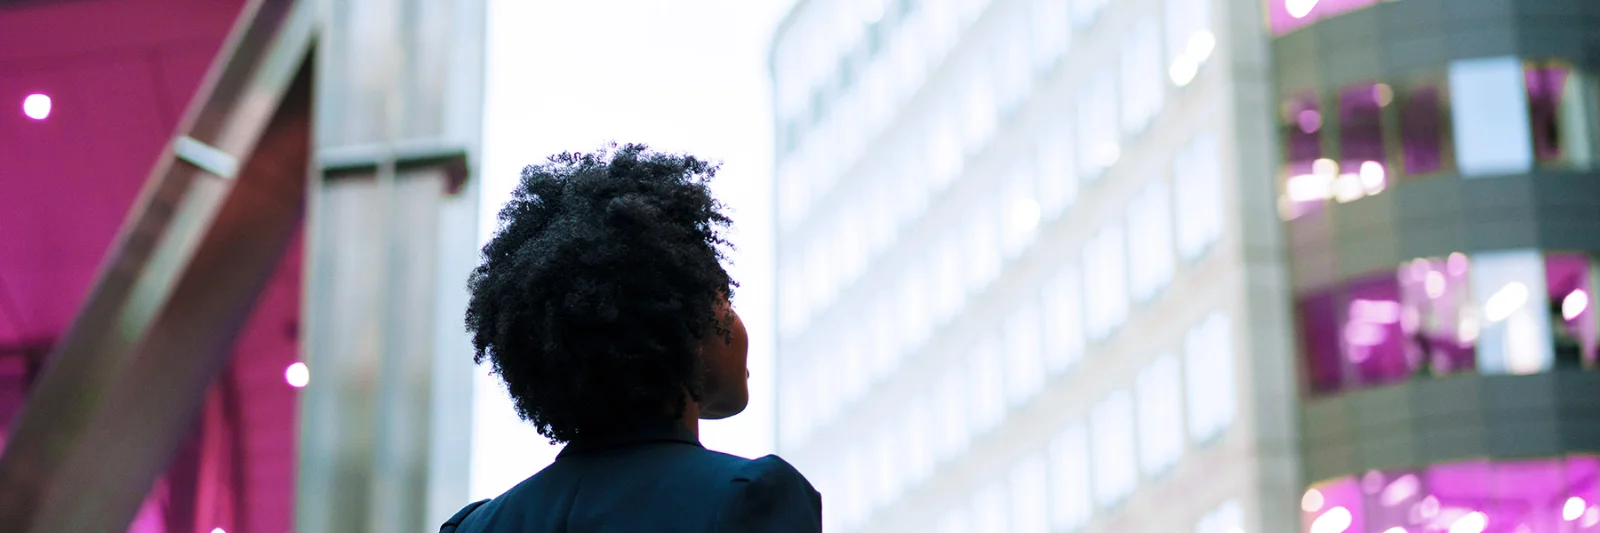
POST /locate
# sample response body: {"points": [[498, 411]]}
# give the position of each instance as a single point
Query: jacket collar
{"points": [[672, 432]]}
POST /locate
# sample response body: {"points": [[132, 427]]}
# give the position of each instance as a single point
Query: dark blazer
{"points": [[650, 481]]}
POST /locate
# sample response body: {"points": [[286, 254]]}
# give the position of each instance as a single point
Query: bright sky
{"points": [[685, 75]]}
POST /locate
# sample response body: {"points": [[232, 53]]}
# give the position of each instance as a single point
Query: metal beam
{"points": [[167, 302]]}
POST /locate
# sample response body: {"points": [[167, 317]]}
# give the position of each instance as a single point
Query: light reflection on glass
{"points": [[1546, 495]]}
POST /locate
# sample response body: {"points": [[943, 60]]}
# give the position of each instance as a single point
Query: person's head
{"points": [[602, 301]]}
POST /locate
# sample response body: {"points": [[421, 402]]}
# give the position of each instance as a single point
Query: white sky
{"points": [[680, 75]]}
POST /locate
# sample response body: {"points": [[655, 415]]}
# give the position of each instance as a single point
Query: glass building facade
{"points": [[1437, 181], [1029, 276]]}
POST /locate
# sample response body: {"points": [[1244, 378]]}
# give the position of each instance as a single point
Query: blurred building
{"points": [[1030, 271], [148, 151], [1440, 188]]}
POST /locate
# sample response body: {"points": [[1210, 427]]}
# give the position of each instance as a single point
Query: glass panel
{"points": [[1318, 314], [1509, 291], [990, 507], [1098, 147], [1051, 33], [954, 426], [987, 400], [1105, 281], [1063, 313], [1198, 181], [1085, 11], [1289, 15], [1069, 479], [1150, 248], [1142, 86], [1115, 467], [1435, 304], [1373, 340], [1570, 280], [1158, 391], [885, 475], [1225, 518], [1021, 210], [1362, 158], [1058, 179], [1024, 368], [1542, 495], [1422, 128], [1208, 361], [1029, 503], [918, 445], [1489, 100], [1308, 176], [1190, 40], [1561, 102]]}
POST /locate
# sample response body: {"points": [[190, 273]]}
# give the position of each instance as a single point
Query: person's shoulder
{"points": [[769, 494]]}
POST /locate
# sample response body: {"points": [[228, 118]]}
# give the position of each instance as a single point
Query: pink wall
{"points": [[119, 74]]}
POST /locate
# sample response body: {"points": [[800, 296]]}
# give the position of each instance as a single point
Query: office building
{"points": [[1030, 267], [1439, 186]]}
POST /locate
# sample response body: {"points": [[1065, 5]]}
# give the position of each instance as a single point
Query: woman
{"points": [[603, 305]]}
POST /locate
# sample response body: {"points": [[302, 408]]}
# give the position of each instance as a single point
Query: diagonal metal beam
{"points": [[185, 215]]}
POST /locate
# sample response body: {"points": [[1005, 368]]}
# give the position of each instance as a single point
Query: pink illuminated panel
{"points": [[1285, 16], [1537, 496]]}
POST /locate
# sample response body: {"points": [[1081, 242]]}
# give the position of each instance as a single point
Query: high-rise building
{"points": [[1439, 186], [1030, 267]]}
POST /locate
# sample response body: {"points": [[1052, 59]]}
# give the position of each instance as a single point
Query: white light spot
{"points": [[1373, 176], [1395, 529], [36, 106], [1336, 520], [1457, 263], [1183, 70], [1433, 282], [1107, 154], [1473, 522], [1312, 501], [297, 375], [1590, 517], [1299, 8], [218, 530], [1401, 490], [1574, 304], [1573, 509], [1506, 301], [1201, 44]]}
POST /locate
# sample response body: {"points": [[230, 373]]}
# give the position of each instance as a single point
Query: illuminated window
{"points": [[1029, 496], [1468, 496], [1071, 505], [1150, 248], [1097, 137], [1208, 361], [1570, 282], [1198, 185], [1374, 342], [1190, 40], [1024, 368], [1021, 211], [1488, 98], [1063, 315], [954, 425], [1051, 32], [990, 507], [1115, 467], [1423, 139], [1159, 393], [1105, 282], [1289, 15], [986, 394], [1225, 518], [1561, 102], [1058, 178], [1509, 290], [1142, 86], [1362, 159]]}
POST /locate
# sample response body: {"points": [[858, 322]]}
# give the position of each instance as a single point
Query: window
{"points": [[791, 191], [1423, 142], [1308, 176], [1575, 334], [944, 151], [1142, 87], [1098, 147], [979, 107], [1029, 496], [1058, 179], [1289, 15], [920, 439], [954, 425], [1063, 315], [987, 396], [1435, 303], [791, 408], [1116, 469], [884, 337], [1071, 506], [1021, 210], [816, 285], [1362, 159], [1509, 290], [1561, 101], [983, 244], [791, 301], [915, 324], [1105, 281], [1159, 393], [1189, 38], [854, 364], [1084, 12], [1225, 518], [1011, 61], [854, 500], [957, 520], [1373, 338], [1051, 33], [1197, 180], [885, 465], [1024, 368], [1150, 249], [1208, 360], [1491, 125], [949, 293], [989, 507]]}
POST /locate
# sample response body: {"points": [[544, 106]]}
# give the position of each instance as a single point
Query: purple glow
{"points": [[1422, 135], [1545, 88], [1502, 497], [1289, 15], [1382, 359], [1310, 120], [1319, 328], [1302, 145], [1360, 126]]}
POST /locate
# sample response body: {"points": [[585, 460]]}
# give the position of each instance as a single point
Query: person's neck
{"points": [[691, 417]]}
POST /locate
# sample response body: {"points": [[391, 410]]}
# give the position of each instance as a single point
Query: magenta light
{"points": [[36, 106]]}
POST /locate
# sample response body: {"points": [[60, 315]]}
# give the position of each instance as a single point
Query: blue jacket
{"points": [[650, 481]]}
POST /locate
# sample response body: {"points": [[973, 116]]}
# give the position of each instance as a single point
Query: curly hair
{"points": [[596, 291]]}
